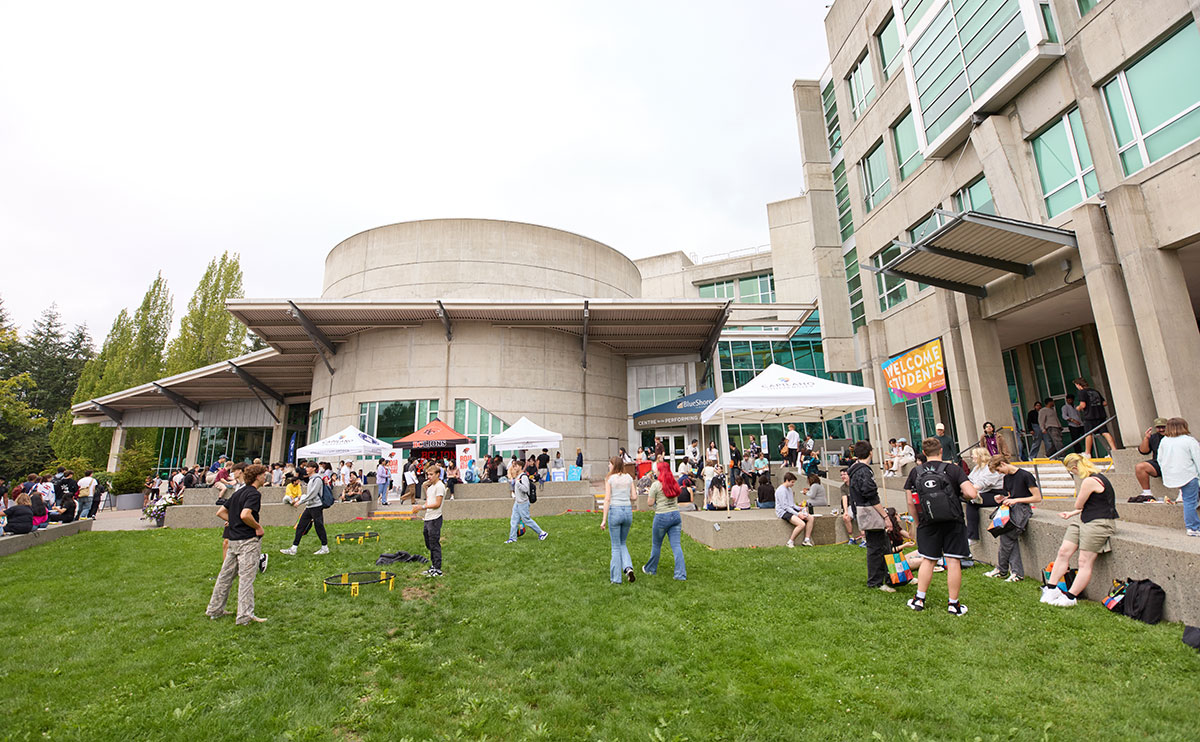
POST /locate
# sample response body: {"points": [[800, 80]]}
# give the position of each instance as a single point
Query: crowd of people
{"points": [[41, 500]]}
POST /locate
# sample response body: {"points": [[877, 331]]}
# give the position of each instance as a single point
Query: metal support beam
{"points": [[586, 315], [962, 288], [114, 414], [1008, 266], [319, 340], [183, 403], [711, 343], [444, 316], [252, 381]]}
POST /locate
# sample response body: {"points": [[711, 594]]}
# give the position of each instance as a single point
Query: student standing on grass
{"points": [[314, 513], [1020, 492], [520, 510], [435, 492], [785, 508], [1096, 506], [618, 489], [663, 498], [941, 538], [244, 535], [873, 522]]}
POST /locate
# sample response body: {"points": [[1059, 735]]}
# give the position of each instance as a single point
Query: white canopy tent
{"points": [[780, 394], [523, 435], [349, 442]]}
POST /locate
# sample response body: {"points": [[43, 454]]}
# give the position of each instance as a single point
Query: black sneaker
{"points": [[956, 609], [629, 574], [262, 563], [917, 604]]}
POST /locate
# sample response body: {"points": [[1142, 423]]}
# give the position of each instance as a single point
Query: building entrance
{"points": [[674, 442]]}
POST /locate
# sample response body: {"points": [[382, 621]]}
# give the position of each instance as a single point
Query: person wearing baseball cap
{"points": [[949, 451], [1149, 447]]}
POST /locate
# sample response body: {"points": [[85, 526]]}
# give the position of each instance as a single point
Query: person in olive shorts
{"points": [[1096, 506], [941, 538]]}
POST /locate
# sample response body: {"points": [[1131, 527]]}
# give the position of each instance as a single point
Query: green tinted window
{"points": [[841, 190], [876, 184], [889, 48], [975, 197], [854, 289], [913, 10], [908, 152], [833, 127], [1064, 164], [892, 289], [1086, 5], [1048, 22], [862, 86]]}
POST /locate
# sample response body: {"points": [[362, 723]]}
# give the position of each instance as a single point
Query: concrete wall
{"points": [[475, 259], [13, 544], [271, 514]]}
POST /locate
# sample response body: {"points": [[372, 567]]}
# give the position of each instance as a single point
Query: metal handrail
{"points": [[1037, 476]]}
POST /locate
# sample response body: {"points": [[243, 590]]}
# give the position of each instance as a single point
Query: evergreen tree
{"points": [[53, 361], [24, 448], [207, 333], [8, 343]]}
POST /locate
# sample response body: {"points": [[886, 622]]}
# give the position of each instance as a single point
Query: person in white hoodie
{"points": [[314, 513], [1179, 457]]}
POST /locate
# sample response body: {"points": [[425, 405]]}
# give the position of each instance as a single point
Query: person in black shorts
{"points": [[1093, 408], [1149, 447], [940, 539]]}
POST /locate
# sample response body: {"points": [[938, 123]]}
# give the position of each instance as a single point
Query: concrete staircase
{"points": [[1054, 479]]}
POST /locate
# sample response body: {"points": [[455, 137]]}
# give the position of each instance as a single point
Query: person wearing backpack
{"points": [[520, 510], [935, 491], [314, 513], [663, 499], [1092, 407], [1096, 506], [873, 523]]}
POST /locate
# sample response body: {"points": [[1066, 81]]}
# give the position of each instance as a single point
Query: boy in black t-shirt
{"points": [[1020, 492], [937, 539]]}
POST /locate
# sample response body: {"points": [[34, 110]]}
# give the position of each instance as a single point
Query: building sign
{"points": [[682, 411], [916, 373]]}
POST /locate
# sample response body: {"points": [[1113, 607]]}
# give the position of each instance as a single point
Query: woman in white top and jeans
{"points": [[1179, 457], [618, 512]]}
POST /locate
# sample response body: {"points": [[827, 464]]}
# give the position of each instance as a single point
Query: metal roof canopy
{"points": [[973, 249], [627, 327], [269, 372]]}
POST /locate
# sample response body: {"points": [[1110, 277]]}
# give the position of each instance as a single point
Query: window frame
{"points": [[1091, 4], [1081, 174], [890, 68], [963, 197], [858, 106], [842, 200], [833, 124], [884, 189], [858, 307], [886, 294], [901, 164]]}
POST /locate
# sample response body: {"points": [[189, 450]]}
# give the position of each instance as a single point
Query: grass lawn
{"points": [[105, 638]]}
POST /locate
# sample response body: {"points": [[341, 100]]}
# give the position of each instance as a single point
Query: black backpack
{"points": [[1095, 405], [936, 494], [532, 489], [1144, 601]]}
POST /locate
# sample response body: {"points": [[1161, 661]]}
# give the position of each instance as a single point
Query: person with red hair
{"points": [[663, 498]]}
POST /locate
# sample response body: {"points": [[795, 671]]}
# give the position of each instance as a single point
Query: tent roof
{"points": [[348, 442], [780, 394], [435, 435], [524, 434]]}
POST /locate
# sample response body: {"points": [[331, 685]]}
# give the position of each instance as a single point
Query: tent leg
{"points": [[879, 437]]}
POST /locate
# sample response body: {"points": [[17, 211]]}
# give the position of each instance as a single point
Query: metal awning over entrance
{"points": [[972, 249]]}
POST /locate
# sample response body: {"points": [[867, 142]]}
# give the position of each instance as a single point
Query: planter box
{"points": [[129, 502]]}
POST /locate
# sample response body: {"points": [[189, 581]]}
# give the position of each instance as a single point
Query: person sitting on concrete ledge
{"points": [[716, 496], [1096, 506], [740, 493], [292, 491], [786, 509], [353, 491], [64, 513], [766, 492], [20, 517], [41, 514], [687, 493], [1144, 470]]}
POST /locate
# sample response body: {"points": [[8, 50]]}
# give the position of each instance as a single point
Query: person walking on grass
{"points": [[520, 510], [939, 488], [1179, 456], [244, 534], [435, 492], [314, 513], [618, 489], [788, 512], [1096, 506], [663, 499], [1020, 492], [873, 522]]}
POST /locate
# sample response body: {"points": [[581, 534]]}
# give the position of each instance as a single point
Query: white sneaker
{"points": [[1193, 533], [290, 551], [1048, 594], [1061, 600], [791, 544], [807, 542], [1014, 577], [887, 588], [994, 573], [320, 551]]}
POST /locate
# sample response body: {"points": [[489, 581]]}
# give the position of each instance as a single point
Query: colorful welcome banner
{"points": [[917, 372]]}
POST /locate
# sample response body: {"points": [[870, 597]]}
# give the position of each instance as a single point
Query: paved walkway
{"points": [[121, 520]]}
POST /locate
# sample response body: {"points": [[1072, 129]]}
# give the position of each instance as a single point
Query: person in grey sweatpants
{"points": [[520, 511], [1020, 492]]}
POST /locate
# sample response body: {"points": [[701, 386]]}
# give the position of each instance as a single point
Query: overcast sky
{"points": [[143, 137]]}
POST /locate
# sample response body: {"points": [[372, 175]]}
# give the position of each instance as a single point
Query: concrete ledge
{"points": [[493, 490], [501, 507], [13, 544], [209, 495], [741, 529], [271, 514], [1139, 551], [1157, 514]]}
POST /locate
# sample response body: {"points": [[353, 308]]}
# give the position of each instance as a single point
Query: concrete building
{"points": [[479, 322], [1017, 179]]}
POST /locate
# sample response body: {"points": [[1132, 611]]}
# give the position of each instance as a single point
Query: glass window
{"points": [[833, 127], [924, 227], [889, 48], [1015, 399], [875, 180], [858, 312], [759, 289], [172, 448], [977, 196], [892, 289], [1153, 108], [841, 191], [1057, 362], [913, 11], [652, 396], [389, 421], [1047, 14], [718, 290], [1086, 5], [862, 86], [1064, 164], [314, 425], [908, 151], [477, 424], [920, 419]]}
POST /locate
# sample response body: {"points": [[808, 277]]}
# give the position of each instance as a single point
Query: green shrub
{"points": [[136, 463]]}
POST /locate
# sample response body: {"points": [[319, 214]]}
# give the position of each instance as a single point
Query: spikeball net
{"points": [[359, 538], [353, 579]]}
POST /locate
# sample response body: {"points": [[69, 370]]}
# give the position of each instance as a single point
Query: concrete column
{"points": [[984, 366], [279, 435], [956, 374], [1163, 318], [893, 421], [193, 447], [115, 448]]}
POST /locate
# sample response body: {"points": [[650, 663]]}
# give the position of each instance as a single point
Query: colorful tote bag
{"points": [[899, 573], [1113, 601], [1002, 522]]}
